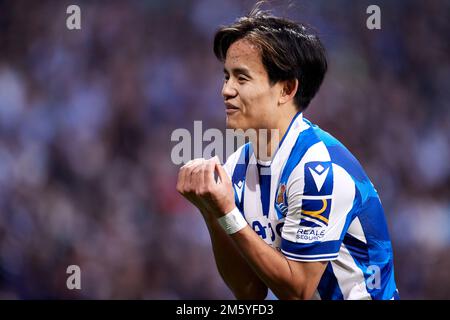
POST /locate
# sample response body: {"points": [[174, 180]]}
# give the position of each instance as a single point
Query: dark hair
{"points": [[288, 51]]}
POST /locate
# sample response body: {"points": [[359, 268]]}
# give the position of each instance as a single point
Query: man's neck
{"points": [[267, 144]]}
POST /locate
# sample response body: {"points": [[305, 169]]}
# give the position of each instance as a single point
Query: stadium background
{"points": [[86, 118]]}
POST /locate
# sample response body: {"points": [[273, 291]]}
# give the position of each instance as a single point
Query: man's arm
{"points": [[232, 267], [286, 278]]}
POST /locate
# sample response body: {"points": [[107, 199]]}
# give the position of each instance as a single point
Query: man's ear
{"points": [[288, 90]]}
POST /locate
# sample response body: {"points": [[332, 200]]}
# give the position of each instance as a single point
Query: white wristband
{"points": [[233, 221]]}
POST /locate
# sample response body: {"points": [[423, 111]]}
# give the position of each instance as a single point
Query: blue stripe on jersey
{"points": [[339, 154], [239, 174], [357, 248], [308, 223], [264, 183], [387, 278], [328, 286], [342, 157], [313, 248], [372, 219]]}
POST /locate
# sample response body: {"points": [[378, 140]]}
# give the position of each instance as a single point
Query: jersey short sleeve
{"points": [[320, 199]]}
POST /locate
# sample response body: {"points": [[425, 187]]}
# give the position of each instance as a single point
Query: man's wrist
{"points": [[233, 221]]}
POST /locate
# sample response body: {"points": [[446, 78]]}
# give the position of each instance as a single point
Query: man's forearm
{"points": [[233, 268], [272, 267]]}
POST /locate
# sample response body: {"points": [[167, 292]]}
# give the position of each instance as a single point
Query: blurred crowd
{"points": [[86, 118]]}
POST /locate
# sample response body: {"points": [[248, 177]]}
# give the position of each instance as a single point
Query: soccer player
{"points": [[308, 223]]}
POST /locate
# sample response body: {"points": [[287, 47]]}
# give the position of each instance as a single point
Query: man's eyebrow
{"points": [[244, 71]]}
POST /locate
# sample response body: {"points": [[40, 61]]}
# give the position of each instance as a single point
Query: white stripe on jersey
{"points": [[252, 194], [282, 155], [342, 203], [355, 229], [349, 276]]}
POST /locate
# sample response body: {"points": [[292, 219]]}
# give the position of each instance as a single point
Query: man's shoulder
{"points": [[309, 150], [318, 155], [320, 145], [328, 157]]}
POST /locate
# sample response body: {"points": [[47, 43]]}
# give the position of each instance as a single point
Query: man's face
{"points": [[250, 100]]}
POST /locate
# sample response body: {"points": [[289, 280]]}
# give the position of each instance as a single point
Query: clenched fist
{"points": [[197, 184]]}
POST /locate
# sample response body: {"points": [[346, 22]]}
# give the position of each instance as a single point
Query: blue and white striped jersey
{"points": [[314, 202]]}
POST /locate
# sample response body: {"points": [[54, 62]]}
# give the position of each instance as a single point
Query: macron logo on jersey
{"points": [[319, 174], [238, 187], [318, 179]]}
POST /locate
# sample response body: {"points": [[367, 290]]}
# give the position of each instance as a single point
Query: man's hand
{"points": [[197, 184]]}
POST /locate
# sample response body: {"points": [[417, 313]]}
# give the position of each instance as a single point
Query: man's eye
{"points": [[242, 78]]}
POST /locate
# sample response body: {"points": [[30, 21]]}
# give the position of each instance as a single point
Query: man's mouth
{"points": [[230, 108]]}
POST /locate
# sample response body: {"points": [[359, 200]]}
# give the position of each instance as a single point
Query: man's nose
{"points": [[228, 90]]}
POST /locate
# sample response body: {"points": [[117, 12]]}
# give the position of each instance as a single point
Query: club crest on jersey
{"points": [[280, 202]]}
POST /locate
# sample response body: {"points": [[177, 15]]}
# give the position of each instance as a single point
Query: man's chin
{"points": [[230, 124], [236, 123]]}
